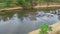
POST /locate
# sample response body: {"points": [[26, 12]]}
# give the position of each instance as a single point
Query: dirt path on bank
{"points": [[38, 6], [44, 6], [11, 8]]}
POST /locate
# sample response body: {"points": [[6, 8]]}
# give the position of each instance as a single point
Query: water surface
{"points": [[25, 21]]}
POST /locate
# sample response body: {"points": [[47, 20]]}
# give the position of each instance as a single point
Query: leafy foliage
{"points": [[24, 3], [44, 28]]}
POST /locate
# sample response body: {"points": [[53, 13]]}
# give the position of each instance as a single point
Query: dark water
{"points": [[24, 21]]}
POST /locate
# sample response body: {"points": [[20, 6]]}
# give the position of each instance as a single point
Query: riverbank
{"points": [[49, 5], [35, 7], [55, 29], [14, 8]]}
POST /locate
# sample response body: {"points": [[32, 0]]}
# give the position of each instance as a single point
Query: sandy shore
{"points": [[11, 8], [55, 29], [36, 7]]}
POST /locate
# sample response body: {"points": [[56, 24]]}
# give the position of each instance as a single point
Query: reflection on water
{"points": [[24, 22]]}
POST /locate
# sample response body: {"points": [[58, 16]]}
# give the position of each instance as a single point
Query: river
{"points": [[25, 21]]}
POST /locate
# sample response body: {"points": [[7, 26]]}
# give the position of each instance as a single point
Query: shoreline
{"points": [[35, 7], [14, 8], [55, 29]]}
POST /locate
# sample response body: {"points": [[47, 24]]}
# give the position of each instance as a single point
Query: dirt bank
{"points": [[14, 8], [55, 29], [36, 7], [42, 5]]}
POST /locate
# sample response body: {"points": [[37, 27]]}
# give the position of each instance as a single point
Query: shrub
{"points": [[2, 5], [44, 28]]}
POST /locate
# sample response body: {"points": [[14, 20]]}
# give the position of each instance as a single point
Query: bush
{"points": [[44, 28], [3, 5]]}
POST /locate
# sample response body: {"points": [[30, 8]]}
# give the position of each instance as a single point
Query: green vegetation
{"points": [[23, 3], [49, 0], [2, 13], [44, 28]]}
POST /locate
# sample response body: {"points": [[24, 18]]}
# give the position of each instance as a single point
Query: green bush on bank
{"points": [[3, 5], [23, 3], [44, 28]]}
